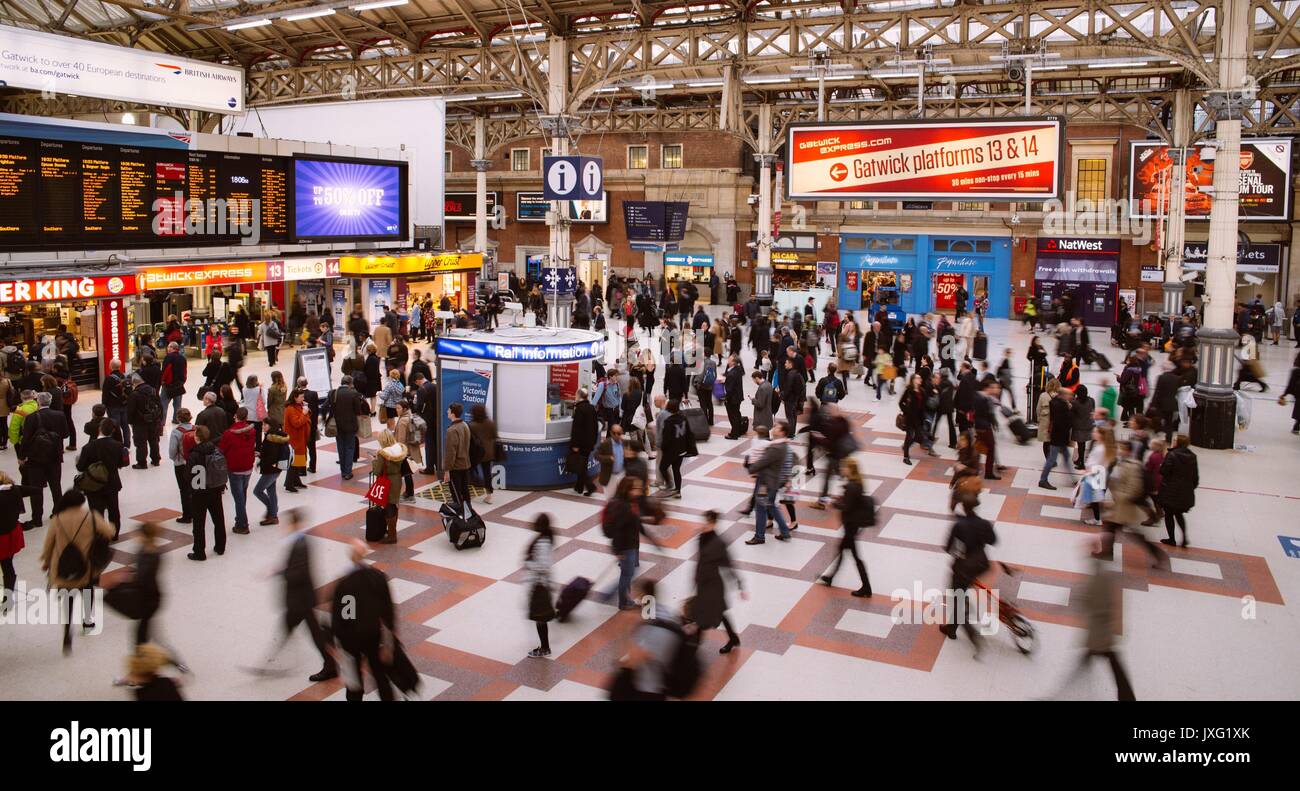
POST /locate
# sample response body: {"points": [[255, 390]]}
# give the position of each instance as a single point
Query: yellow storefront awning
{"points": [[381, 265]]}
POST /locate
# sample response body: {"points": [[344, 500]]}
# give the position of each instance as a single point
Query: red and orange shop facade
{"points": [[93, 308]]}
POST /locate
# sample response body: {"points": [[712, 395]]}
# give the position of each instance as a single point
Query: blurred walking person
{"points": [[857, 510], [364, 623], [709, 607], [541, 605]]}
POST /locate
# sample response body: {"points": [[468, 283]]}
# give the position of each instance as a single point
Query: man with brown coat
{"points": [[455, 453]]}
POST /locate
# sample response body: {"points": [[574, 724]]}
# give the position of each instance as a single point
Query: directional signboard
{"points": [[573, 178]]}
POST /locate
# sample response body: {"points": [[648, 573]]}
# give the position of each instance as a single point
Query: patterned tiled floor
{"points": [[1211, 626]]}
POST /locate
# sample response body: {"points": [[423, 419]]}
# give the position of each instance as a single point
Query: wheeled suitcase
{"points": [[1020, 430], [376, 523], [571, 597], [744, 425], [697, 422], [1100, 359], [981, 351], [465, 529]]}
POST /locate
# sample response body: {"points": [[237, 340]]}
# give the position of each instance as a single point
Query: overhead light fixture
{"points": [[460, 97], [502, 95], [308, 14], [608, 89], [1120, 65], [829, 78], [248, 24], [767, 79], [1047, 68], [379, 4], [704, 83]]}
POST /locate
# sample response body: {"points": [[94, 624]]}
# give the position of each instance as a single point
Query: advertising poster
{"points": [[68, 64], [463, 206], [114, 338], [466, 383], [851, 280], [335, 200], [339, 305], [379, 295], [945, 290], [1265, 178], [563, 385], [1129, 297], [1010, 159]]}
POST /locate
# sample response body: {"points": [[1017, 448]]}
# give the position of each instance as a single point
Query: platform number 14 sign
{"points": [[573, 178]]}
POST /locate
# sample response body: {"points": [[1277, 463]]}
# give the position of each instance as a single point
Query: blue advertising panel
{"points": [[538, 465], [379, 295], [341, 200], [468, 386]]}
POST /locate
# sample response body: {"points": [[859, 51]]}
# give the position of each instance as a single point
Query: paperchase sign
{"points": [[66, 65]]}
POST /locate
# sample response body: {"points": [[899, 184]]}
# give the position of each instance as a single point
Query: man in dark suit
{"points": [[582, 440], [364, 623], [733, 384], [109, 452], [347, 407], [313, 406], [41, 455], [175, 368], [426, 406]]}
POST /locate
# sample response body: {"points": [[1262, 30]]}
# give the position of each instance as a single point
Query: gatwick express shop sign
{"points": [[1015, 159]]}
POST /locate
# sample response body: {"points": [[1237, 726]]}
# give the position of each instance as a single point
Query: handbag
{"points": [[260, 408], [900, 422], [331, 427], [126, 599], [365, 430]]}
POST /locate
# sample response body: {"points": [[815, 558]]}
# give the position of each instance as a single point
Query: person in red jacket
{"points": [[238, 444]]}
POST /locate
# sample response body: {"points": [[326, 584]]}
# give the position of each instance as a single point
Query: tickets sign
{"points": [[17, 292], [1017, 159]]}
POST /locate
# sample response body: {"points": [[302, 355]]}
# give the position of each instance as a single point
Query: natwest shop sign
{"points": [[16, 292], [113, 335], [1055, 246]]}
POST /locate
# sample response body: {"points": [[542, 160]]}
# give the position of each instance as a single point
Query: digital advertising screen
{"points": [[338, 200], [463, 206], [533, 206], [1264, 176], [1015, 159]]}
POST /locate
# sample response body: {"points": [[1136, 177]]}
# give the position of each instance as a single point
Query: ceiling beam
{"points": [[410, 43]]}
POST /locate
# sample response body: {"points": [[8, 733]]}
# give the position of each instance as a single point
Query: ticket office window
{"points": [[563, 381]]}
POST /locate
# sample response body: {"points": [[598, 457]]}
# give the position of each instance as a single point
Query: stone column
{"points": [[765, 158], [1215, 417], [1176, 241]]}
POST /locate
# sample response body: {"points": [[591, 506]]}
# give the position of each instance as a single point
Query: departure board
{"points": [[71, 195], [17, 191]]}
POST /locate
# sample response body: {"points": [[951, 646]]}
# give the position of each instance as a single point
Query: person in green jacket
{"points": [[1109, 398], [20, 412]]}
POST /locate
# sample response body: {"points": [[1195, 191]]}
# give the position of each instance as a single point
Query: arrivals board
{"points": [[64, 194]]}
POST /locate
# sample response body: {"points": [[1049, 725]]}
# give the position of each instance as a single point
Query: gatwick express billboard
{"points": [[1014, 159]]}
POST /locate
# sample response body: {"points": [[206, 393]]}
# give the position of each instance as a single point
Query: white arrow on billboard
{"points": [[591, 178], [562, 178]]}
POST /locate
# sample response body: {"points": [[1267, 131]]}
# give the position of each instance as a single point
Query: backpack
{"points": [[709, 376], [188, 441], [419, 427], [72, 564], [93, 479], [69, 392], [151, 411], [215, 471], [43, 448], [11, 397], [683, 671], [605, 526]]}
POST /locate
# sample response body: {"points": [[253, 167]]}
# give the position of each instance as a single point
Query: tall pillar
{"points": [[1176, 241], [763, 247], [1215, 417], [558, 124], [480, 163]]}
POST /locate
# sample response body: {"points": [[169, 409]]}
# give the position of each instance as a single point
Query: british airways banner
{"points": [[1016, 159], [55, 64]]}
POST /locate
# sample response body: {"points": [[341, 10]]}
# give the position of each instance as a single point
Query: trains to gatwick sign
{"points": [[1016, 159]]}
